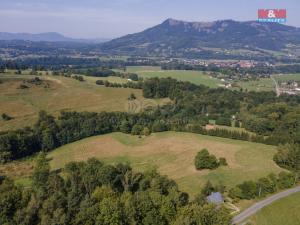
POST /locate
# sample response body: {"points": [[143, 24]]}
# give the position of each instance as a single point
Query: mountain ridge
{"points": [[46, 36], [177, 37]]}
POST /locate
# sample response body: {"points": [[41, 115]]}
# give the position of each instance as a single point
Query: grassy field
{"points": [[173, 155], [63, 94], [110, 79], [287, 77], [263, 84], [196, 77], [284, 211]]}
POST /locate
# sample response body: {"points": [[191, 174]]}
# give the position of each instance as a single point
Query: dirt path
{"points": [[276, 86], [259, 205]]}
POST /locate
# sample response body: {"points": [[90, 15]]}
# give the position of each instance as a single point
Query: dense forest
{"points": [[95, 193]]}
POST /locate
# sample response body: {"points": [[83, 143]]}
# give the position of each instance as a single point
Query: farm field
{"points": [[62, 94], [284, 211], [196, 77], [173, 155]]}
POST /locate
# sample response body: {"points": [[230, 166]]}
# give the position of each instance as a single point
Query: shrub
{"points": [[285, 180], [235, 193], [137, 129], [99, 82], [36, 81], [265, 186], [23, 86], [248, 190], [131, 97], [237, 123], [204, 160], [222, 162], [125, 127], [6, 117], [159, 126], [146, 131], [223, 121]]}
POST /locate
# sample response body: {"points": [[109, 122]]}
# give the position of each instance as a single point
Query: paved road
{"points": [[276, 86], [259, 205]]}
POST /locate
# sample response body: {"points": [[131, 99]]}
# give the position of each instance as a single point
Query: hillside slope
{"points": [[180, 38]]}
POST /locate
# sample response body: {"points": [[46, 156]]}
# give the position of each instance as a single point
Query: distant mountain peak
{"points": [[172, 22]]}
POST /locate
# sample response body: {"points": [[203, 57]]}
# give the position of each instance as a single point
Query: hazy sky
{"points": [[113, 18]]}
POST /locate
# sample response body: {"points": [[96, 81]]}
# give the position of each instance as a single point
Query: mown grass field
{"points": [[263, 84], [196, 77], [282, 212], [63, 94], [173, 155], [287, 77]]}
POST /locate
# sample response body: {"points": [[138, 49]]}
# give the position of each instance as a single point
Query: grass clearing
{"points": [[196, 77], [284, 211], [173, 155]]}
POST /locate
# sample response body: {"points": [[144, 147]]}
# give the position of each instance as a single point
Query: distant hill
{"points": [[180, 38], [47, 37]]}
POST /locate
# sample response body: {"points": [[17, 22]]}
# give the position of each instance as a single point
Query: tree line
{"points": [[263, 186]]}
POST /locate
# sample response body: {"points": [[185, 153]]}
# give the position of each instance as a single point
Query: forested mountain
{"points": [[179, 38]]}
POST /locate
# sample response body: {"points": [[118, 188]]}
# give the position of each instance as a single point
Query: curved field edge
{"points": [[284, 211], [172, 153]]}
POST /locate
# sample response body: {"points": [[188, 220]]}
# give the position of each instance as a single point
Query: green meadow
{"points": [[173, 154], [196, 77]]}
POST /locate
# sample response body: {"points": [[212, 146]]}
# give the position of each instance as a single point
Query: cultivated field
{"points": [[196, 77], [284, 211], [173, 155], [62, 94]]}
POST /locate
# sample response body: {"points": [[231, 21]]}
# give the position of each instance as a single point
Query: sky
{"points": [[114, 18]]}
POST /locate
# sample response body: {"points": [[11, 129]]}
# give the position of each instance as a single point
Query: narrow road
{"points": [[259, 205], [276, 86]]}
